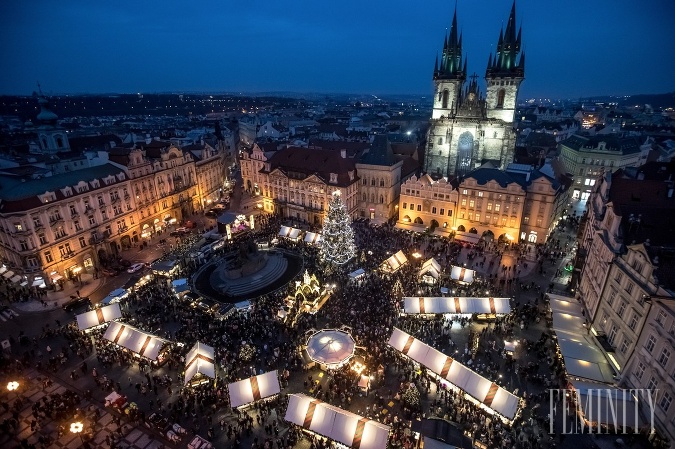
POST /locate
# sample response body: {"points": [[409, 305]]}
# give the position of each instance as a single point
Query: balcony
{"points": [[24, 231], [74, 215], [127, 197], [58, 237], [122, 230], [114, 200]]}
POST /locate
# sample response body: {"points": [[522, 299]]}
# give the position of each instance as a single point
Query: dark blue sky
{"points": [[574, 48]]}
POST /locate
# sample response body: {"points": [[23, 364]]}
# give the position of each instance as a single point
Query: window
{"points": [[500, 98], [472, 203], [640, 370], [48, 257], [618, 278], [497, 207], [77, 225], [405, 205], [661, 318], [665, 401], [24, 245], [442, 211], [100, 201], [637, 266], [73, 211], [633, 321], [465, 192], [433, 210], [624, 346], [612, 334], [381, 182], [651, 342], [653, 383], [463, 201], [664, 357], [629, 288], [489, 206], [83, 242], [92, 220], [611, 297], [526, 220], [480, 194], [419, 208], [622, 308]]}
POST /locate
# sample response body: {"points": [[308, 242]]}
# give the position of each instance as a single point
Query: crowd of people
{"points": [[256, 341]]}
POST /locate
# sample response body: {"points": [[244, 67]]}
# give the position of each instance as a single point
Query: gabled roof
{"points": [[309, 161], [380, 153]]}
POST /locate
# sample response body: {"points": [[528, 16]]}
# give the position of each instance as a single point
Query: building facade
{"points": [[467, 128], [425, 203], [587, 158], [298, 182]]}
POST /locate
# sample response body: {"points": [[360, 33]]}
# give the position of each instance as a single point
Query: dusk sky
{"points": [[573, 48]]}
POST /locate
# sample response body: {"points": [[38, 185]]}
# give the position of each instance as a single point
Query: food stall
{"points": [[93, 319], [140, 343]]}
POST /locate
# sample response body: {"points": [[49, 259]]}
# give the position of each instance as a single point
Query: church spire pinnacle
{"points": [[506, 58]]}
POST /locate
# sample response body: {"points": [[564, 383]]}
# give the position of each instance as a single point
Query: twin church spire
{"points": [[507, 61]]}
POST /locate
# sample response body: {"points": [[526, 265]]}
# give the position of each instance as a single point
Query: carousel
{"points": [[330, 348]]}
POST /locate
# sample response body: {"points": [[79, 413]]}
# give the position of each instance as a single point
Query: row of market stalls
{"points": [[335, 423], [589, 373], [426, 305], [292, 233], [477, 388]]}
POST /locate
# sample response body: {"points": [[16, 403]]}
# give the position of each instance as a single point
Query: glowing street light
{"points": [[76, 427], [12, 386]]}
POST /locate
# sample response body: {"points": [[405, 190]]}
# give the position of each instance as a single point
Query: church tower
{"points": [[51, 137], [450, 75], [505, 71]]}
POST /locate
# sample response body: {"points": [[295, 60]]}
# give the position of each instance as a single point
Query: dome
{"points": [[46, 115]]}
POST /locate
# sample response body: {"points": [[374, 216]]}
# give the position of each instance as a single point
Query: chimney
{"points": [[343, 153]]}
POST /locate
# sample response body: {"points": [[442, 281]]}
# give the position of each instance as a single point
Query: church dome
{"points": [[46, 115]]}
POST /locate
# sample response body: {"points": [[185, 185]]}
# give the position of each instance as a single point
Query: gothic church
{"points": [[468, 128]]}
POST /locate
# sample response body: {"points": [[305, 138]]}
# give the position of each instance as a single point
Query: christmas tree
{"points": [[411, 396], [337, 237]]}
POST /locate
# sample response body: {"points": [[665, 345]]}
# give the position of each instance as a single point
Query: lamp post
{"points": [[13, 385], [76, 428]]}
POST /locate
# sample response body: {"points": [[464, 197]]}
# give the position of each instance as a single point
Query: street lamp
{"points": [[13, 386], [76, 428]]}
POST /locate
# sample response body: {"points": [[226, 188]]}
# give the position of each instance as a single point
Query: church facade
{"points": [[469, 128]]}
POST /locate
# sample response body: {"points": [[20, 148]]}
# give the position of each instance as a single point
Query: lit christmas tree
{"points": [[337, 237], [411, 396]]}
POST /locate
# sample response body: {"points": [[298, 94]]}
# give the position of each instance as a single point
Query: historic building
{"points": [[55, 227], [381, 172], [517, 204], [587, 158], [298, 182], [468, 128]]}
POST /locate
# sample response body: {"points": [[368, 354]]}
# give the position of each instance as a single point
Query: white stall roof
{"points": [[608, 405], [431, 267], [200, 360], [340, 425], [426, 304], [564, 304], [485, 391], [583, 358], [312, 237], [357, 273], [284, 231], [135, 340], [395, 262], [294, 233], [114, 296], [254, 388], [461, 274], [99, 316]]}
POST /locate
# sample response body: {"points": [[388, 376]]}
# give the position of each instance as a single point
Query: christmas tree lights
{"points": [[337, 244]]}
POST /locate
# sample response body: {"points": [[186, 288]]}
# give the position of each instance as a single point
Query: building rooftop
{"points": [[303, 162]]}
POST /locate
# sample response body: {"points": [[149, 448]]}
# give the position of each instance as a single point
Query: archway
{"points": [[502, 238], [102, 256], [249, 186], [464, 152], [434, 224], [488, 234], [126, 242], [418, 220], [473, 231], [461, 228], [406, 219]]}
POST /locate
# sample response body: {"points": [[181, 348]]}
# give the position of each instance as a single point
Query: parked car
{"points": [[135, 267], [124, 262], [75, 302], [110, 272]]}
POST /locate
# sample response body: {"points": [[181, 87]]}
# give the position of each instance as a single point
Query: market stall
{"points": [[607, 406], [462, 275], [313, 238], [456, 306], [254, 389], [199, 364], [335, 423], [98, 317], [330, 348], [137, 341], [394, 263], [482, 390], [430, 271], [114, 296], [357, 274], [289, 232], [180, 287]]}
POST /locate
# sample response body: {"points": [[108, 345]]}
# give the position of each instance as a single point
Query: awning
{"points": [[467, 237], [456, 305], [607, 405], [254, 389], [16, 278], [114, 296], [142, 343], [483, 390], [99, 316], [56, 277], [200, 360], [335, 423], [24, 283], [313, 238], [410, 227], [8, 274], [331, 347], [37, 282]]}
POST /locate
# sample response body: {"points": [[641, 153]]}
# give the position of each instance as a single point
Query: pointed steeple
{"points": [[521, 63], [506, 61], [453, 28], [450, 64], [436, 65], [489, 65]]}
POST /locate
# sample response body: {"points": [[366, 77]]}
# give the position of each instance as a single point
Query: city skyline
{"points": [[376, 48]]}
